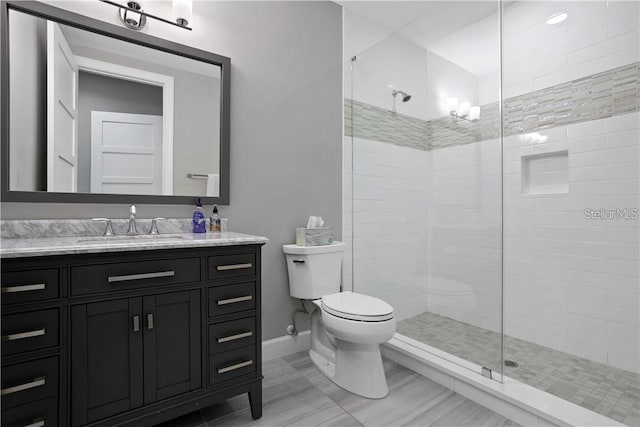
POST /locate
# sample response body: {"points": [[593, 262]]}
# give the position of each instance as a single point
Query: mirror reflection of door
{"points": [[62, 113], [126, 153]]}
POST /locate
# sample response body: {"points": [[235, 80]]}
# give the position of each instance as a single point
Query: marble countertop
{"points": [[45, 246]]}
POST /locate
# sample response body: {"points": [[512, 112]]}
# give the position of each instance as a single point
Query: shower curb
{"points": [[512, 399]]}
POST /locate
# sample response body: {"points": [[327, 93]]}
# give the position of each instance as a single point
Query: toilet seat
{"points": [[354, 306]]}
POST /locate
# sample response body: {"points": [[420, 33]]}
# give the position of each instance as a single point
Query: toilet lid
{"points": [[353, 306]]}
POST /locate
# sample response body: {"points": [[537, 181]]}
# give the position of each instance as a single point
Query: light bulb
{"points": [[463, 108], [182, 10], [452, 104], [474, 113]]}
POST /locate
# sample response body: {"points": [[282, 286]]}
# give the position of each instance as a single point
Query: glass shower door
{"points": [[426, 180]]}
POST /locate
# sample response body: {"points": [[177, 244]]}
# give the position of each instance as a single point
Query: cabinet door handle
{"points": [[23, 335], [38, 422], [235, 337], [136, 323], [234, 367], [234, 300], [37, 382], [150, 321], [23, 288], [141, 276], [234, 266]]}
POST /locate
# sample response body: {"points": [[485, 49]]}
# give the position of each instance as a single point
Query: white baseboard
{"points": [[512, 399], [285, 345]]}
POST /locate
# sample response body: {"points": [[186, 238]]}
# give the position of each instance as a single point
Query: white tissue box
{"points": [[314, 236]]}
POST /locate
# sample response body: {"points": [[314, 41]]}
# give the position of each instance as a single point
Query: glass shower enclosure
{"points": [[492, 182]]}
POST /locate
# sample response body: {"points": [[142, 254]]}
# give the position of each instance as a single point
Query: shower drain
{"points": [[511, 363]]}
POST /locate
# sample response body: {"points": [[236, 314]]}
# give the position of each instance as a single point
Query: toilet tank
{"points": [[314, 271]]}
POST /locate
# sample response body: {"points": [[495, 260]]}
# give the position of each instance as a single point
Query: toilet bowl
{"points": [[347, 328]]}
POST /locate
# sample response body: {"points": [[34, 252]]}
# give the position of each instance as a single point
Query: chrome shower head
{"points": [[405, 96]]}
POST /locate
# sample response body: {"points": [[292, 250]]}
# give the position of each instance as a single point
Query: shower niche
{"points": [[546, 173]]}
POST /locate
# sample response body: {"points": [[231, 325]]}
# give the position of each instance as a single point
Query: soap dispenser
{"points": [[199, 219], [215, 221]]}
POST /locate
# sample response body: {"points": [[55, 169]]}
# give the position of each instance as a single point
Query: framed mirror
{"points": [[96, 113]]}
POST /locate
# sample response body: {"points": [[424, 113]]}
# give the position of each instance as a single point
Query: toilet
{"points": [[347, 328]]}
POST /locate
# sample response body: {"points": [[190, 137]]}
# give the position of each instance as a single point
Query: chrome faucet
{"points": [[132, 231]]}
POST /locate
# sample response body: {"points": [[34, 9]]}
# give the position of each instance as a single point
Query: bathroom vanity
{"points": [[106, 333]]}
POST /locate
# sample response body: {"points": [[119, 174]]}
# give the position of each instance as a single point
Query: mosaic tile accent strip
{"points": [[609, 391], [378, 124], [607, 94]]}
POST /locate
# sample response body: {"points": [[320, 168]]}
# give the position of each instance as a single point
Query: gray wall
{"points": [[28, 121], [102, 93], [286, 125]]}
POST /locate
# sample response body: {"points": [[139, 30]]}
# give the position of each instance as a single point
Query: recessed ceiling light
{"points": [[556, 19]]}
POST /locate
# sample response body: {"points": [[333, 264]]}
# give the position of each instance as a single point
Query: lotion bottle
{"points": [[214, 221]]}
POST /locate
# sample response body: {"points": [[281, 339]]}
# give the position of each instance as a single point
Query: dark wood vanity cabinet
{"points": [[129, 338]]}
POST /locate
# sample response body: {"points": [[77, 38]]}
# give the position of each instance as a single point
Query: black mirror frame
{"points": [[71, 19]]}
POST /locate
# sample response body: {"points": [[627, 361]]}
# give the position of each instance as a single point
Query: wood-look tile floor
{"points": [[295, 393]]}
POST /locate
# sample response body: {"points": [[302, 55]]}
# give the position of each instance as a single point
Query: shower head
{"points": [[405, 96]]}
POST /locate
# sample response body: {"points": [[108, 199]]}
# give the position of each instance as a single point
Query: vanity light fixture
{"points": [[463, 110], [133, 17]]}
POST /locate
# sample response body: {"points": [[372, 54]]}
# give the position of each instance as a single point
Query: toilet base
{"points": [[358, 368]]}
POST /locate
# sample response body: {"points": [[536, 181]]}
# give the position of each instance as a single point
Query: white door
{"points": [[126, 153], [62, 113]]}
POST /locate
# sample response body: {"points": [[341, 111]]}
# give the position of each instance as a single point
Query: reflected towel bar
{"points": [[197, 176]]}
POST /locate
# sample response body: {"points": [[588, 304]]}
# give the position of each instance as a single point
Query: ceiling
{"points": [[464, 32], [81, 38]]}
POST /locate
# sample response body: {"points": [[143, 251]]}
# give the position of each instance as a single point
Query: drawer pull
{"points": [[234, 266], [234, 367], [23, 335], [141, 276], [234, 300], [298, 261], [37, 382], [24, 288], [235, 337], [38, 422]]}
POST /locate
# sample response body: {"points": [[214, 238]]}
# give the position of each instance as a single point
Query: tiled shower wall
{"points": [[554, 81], [570, 283], [602, 95]]}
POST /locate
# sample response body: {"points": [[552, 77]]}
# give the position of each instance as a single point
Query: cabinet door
{"points": [[106, 359], [172, 344]]}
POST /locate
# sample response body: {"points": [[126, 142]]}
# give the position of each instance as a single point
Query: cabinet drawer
{"points": [[131, 275], [30, 331], [232, 298], [232, 364], [236, 265], [29, 382], [28, 286], [43, 413], [230, 335]]}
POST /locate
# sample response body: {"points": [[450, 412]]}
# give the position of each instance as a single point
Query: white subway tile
{"points": [[623, 138], [621, 42], [623, 122], [622, 362]]}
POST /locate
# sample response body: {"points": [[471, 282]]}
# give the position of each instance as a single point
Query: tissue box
{"points": [[314, 236]]}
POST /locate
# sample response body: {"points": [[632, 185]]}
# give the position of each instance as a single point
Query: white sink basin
{"points": [[132, 239]]}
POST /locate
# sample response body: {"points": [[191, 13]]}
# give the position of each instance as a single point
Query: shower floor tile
{"points": [[609, 391]]}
